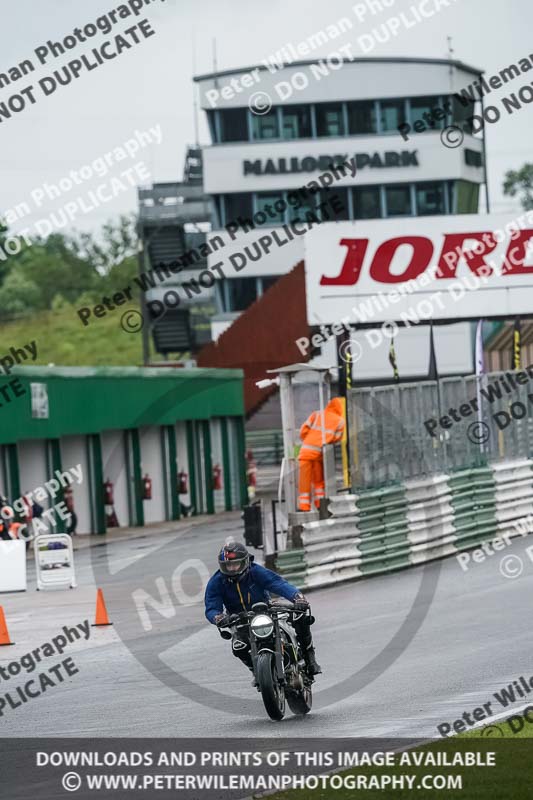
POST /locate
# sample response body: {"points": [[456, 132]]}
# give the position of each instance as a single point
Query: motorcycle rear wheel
{"points": [[272, 693], [300, 702]]}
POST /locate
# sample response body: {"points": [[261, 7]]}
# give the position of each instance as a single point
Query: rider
{"points": [[238, 584]]}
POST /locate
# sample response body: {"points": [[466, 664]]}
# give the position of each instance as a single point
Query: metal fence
{"points": [[267, 446], [390, 442]]}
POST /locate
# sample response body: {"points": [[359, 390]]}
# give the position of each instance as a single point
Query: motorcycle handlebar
{"points": [[272, 607]]}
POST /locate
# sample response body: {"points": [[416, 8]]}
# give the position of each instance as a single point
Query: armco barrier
{"points": [[410, 523]]}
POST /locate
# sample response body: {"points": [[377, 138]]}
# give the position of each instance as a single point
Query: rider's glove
{"points": [[300, 603], [221, 620]]}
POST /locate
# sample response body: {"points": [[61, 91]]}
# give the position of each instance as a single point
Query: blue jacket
{"points": [[255, 587]]}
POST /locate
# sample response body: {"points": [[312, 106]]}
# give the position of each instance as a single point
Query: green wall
{"points": [[90, 400]]}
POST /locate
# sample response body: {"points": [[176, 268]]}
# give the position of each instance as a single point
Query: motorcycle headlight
{"points": [[262, 626]]}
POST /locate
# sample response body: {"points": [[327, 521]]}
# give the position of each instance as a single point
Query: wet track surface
{"points": [[396, 660]]}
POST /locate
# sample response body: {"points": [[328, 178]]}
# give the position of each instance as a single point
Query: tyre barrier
{"points": [[410, 523]]}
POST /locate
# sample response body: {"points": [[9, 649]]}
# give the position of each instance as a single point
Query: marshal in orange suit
{"points": [[310, 457]]}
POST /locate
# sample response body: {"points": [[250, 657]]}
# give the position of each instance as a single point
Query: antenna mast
{"points": [[194, 90], [215, 65]]}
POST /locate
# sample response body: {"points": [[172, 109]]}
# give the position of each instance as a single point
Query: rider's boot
{"points": [[313, 667]]}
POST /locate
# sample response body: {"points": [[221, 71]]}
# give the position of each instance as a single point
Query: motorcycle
{"points": [[278, 665]]}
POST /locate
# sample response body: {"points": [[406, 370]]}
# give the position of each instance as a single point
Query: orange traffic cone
{"points": [[101, 611], [4, 634]]}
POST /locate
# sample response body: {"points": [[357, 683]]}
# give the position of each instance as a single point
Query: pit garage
{"points": [[149, 453]]}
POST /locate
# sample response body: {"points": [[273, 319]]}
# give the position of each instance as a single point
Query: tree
{"points": [[3, 232], [68, 267], [4, 265], [18, 295], [117, 241], [54, 267], [520, 182]]}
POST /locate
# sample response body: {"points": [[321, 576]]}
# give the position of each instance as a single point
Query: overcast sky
{"points": [[151, 85]]}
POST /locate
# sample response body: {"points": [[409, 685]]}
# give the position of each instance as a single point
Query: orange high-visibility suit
{"points": [[310, 456]]}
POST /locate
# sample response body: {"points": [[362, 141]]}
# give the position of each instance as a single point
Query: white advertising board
{"points": [[454, 351], [13, 566], [460, 267], [54, 561]]}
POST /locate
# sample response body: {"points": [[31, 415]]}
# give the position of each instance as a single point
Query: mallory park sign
{"points": [[286, 166]]}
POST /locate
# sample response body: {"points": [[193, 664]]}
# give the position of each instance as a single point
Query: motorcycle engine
{"points": [[295, 679]]}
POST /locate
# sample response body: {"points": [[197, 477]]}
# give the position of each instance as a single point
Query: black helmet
{"points": [[234, 560]]}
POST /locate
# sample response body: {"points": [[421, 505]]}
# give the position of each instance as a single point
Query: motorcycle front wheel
{"points": [[272, 693]]}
